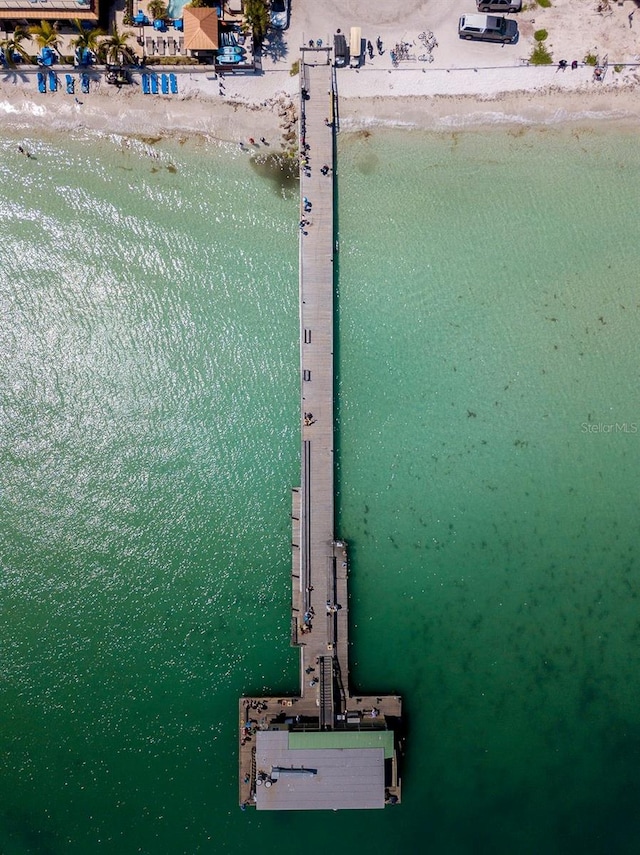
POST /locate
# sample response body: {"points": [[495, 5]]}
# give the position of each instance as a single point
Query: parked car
{"points": [[340, 51], [279, 14], [501, 6], [488, 28]]}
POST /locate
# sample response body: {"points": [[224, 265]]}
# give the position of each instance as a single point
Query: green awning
{"points": [[343, 739]]}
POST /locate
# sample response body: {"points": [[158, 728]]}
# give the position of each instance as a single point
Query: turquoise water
{"points": [[175, 7], [148, 393]]}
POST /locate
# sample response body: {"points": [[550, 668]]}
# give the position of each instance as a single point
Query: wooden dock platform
{"points": [[320, 563]]}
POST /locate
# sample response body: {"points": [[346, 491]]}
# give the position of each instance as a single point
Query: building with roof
{"points": [[320, 771], [49, 10], [200, 29]]}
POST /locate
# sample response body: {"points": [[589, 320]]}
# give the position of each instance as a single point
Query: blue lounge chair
{"points": [[173, 83], [154, 84], [83, 57], [71, 84], [164, 82], [46, 57], [146, 88], [42, 84], [84, 82], [53, 81]]}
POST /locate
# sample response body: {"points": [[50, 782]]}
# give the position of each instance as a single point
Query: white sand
{"points": [[467, 83]]}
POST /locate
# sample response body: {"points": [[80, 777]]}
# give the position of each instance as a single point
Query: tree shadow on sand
{"points": [[275, 46], [14, 75]]}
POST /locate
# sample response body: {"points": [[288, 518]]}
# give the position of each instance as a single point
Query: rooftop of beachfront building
{"points": [[37, 10], [184, 34]]}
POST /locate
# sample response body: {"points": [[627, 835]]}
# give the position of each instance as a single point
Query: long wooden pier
{"points": [[324, 728], [317, 594]]}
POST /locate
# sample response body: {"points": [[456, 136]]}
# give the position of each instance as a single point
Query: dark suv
{"points": [[501, 6]]}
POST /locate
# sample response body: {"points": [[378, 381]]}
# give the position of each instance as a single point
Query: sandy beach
{"points": [[466, 83]]}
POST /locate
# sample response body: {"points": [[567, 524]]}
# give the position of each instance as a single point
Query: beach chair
{"points": [[53, 81], [164, 83], [173, 84], [172, 47], [42, 83], [161, 46], [46, 57], [154, 84], [84, 82], [181, 44], [148, 42], [146, 86], [71, 84]]}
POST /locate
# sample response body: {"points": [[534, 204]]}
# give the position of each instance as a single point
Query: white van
{"points": [[356, 47]]}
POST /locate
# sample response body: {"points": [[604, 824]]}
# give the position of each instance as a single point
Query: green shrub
{"points": [[295, 68], [540, 55], [540, 35], [591, 59], [171, 60], [544, 3], [618, 68]]}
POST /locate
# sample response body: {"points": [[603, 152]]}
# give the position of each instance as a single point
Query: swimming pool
{"points": [[175, 7]]}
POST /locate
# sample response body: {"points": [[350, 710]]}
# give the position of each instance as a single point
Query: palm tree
{"points": [[86, 39], [117, 47], [256, 13], [14, 45], [158, 10], [45, 34]]}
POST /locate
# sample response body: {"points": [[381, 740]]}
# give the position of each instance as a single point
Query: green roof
{"points": [[343, 739]]}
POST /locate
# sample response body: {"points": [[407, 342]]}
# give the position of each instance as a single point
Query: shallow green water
{"points": [[148, 394]]}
